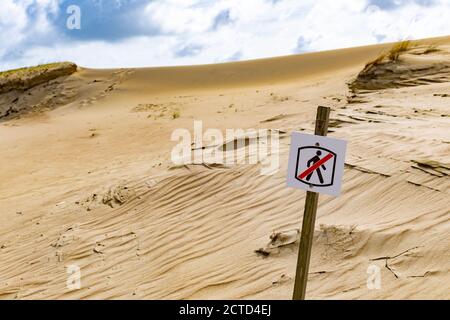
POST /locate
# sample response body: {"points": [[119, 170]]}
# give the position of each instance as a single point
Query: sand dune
{"points": [[86, 178]]}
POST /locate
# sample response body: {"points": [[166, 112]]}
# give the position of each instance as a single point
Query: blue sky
{"points": [[134, 33]]}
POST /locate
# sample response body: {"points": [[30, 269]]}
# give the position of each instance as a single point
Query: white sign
{"points": [[316, 163]]}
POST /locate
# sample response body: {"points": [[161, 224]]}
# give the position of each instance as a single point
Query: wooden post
{"points": [[309, 219]]}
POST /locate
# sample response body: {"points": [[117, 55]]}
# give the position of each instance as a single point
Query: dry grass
{"points": [[29, 71], [26, 78], [398, 49], [376, 61], [392, 55]]}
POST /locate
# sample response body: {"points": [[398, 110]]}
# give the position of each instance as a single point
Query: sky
{"points": [[138, 33]]}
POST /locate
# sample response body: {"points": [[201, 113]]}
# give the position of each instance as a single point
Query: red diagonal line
{"points": [[315, 166]]}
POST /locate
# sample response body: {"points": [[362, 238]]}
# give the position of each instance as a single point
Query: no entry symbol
{"points": [[316, 163], [316, 166]]}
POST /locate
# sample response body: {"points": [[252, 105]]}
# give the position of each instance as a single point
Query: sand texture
{"points": [[86, 178]]}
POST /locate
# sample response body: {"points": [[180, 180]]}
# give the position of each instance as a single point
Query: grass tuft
{"points": [[398, 49], [392, 55]]}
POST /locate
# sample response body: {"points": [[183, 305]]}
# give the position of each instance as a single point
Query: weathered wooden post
{"points": [[309, 219]]}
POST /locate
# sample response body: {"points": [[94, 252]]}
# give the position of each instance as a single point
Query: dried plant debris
{"points": [[278, 240]]}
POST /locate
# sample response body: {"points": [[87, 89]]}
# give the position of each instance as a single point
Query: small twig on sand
{"points": [[387, 258], [396, 256], [390, 269]]}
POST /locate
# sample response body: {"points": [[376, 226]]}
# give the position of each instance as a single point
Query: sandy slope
{"points": [[91, 183]]}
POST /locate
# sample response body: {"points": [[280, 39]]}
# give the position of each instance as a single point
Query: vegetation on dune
{"points": [[399, 48], [391, 70], [28, 77], [28, 71], [393, 55]]}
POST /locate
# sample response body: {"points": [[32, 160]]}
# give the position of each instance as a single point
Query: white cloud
{"points": [[13, 20], [17, 28], [176, 16], [252, 29]]}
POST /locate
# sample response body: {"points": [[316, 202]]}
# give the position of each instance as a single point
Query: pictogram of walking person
{"points": [[311, 162]]}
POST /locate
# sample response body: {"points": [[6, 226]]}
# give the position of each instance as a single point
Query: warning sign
{"points": [[316, 163]]}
